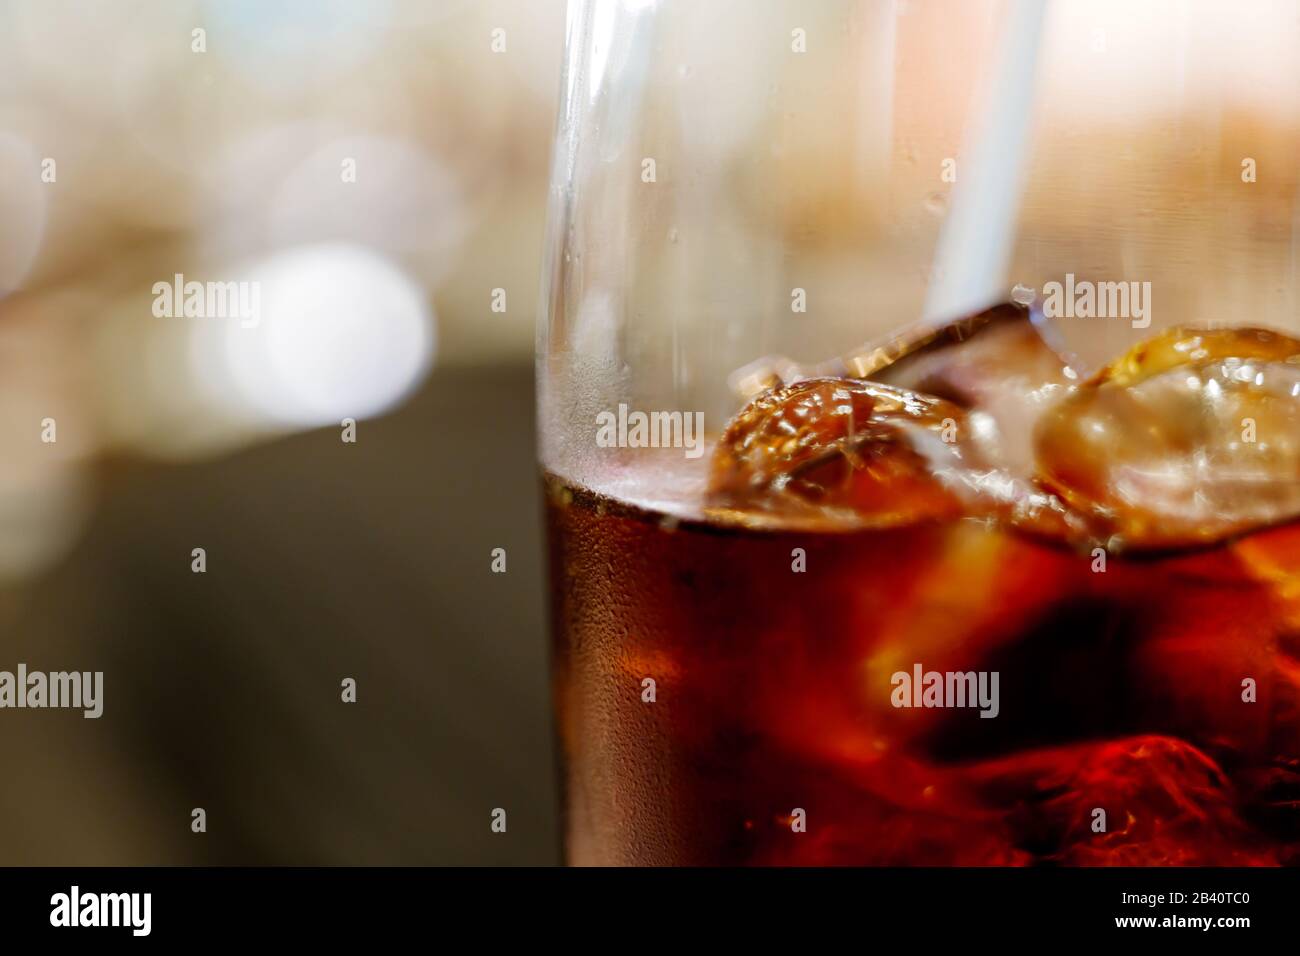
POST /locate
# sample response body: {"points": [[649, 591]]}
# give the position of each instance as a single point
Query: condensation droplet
{"points": [[1023, 294], [936, 203]]}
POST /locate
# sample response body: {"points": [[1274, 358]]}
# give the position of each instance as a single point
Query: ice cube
{"points": [[1179, 347], [844, 451], [940, 429], [1190, 437], [997, 361], [1166, 804], [770, 371]]}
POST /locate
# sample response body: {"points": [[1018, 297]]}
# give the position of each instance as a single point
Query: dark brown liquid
{"points": [[1119, 691]]}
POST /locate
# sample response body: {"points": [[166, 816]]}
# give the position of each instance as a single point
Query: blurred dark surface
{"points": [[325, 560]]}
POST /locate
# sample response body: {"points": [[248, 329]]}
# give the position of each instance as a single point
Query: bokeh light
{"points": [[342, 333]]}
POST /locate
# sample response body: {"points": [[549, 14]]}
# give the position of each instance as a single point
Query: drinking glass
{"points": [[920, 431]]}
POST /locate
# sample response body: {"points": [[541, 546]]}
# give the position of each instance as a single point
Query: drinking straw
{"points": [[976, 240]]}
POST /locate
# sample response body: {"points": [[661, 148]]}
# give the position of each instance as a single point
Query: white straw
{"points": [[975, 245]]}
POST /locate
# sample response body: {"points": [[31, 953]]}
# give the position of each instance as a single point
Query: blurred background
{"points": [[378, 172], [379, 169]]}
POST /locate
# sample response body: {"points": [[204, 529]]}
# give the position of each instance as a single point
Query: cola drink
{"points": [[962, 604]]}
